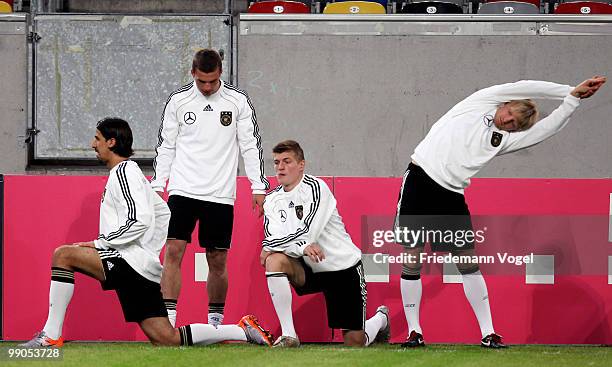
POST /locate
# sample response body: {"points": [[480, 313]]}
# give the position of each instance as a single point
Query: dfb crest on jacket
{"points": [[299, 211], [496, 139], [226, 118]]}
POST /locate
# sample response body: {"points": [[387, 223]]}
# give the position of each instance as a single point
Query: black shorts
{"points": [[440, 214], [140, 298], [216, 221], [345, 295]]}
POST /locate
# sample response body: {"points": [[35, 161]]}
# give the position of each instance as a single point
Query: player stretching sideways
{"points": [[493, 121]]}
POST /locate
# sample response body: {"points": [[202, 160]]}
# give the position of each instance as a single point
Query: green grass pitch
{"points": [[143, 354]]}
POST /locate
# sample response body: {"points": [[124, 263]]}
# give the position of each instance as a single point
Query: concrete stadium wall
{"points": [[526, 307], [13, 93], [360, 95], [92, 66], [139, 6]]}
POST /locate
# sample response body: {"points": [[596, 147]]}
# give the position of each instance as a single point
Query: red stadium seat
{"points": [[534, 2], [583, 7], [279, 7]]}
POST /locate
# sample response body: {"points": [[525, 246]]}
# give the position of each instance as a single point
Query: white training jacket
{"points": [[305, 215], [133, 220], [199, 141], [465, 139]]}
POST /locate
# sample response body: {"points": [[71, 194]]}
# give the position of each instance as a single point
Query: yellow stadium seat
{"points": [[354, 7], [5, 7]]}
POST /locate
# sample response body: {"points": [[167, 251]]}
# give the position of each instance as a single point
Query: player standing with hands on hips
{"points": [[493, 121], [205, 125]]}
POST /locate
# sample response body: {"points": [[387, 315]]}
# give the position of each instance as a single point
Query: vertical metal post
{"points": [[1, 252]]}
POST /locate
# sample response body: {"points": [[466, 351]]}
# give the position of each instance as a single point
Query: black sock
{"points": [[216, 307]]}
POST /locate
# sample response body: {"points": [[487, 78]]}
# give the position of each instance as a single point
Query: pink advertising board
{"points": [[43, 212]]}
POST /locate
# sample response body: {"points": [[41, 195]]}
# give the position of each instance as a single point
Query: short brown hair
{"points": [[207, 61], [526, 111], [289, 146]]}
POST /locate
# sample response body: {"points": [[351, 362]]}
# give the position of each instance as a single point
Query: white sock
{"points": [[204, 334], [171, 309], [412, 290], [373, 326], [475, 290], [172, 317], [278, 285], [215, 319], [60, 294]]}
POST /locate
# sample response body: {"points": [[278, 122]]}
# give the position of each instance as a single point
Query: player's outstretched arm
{"points": [[588, 87]]}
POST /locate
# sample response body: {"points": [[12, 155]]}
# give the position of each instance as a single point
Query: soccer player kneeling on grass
{"points": [[125, 256], [307, 246]]}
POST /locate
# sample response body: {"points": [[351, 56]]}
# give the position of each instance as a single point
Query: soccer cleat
{"points": [[285, 341], [493, 341], [41, 340], [414, 340], [384, 335], [254, 332]]}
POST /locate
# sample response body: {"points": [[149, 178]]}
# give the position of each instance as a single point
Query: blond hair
{"points": [[526, 112]]}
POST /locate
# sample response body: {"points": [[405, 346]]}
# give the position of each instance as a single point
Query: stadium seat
{"points": [[354, 7], [381, 2], [537, 3], [583, 7], [431, 7], [508, 7], [279, 7], [5, 7]]}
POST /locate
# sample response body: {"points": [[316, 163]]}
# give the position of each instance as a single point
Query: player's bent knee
{"points": [[164, 338], [62, 254], [277, 262]]}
